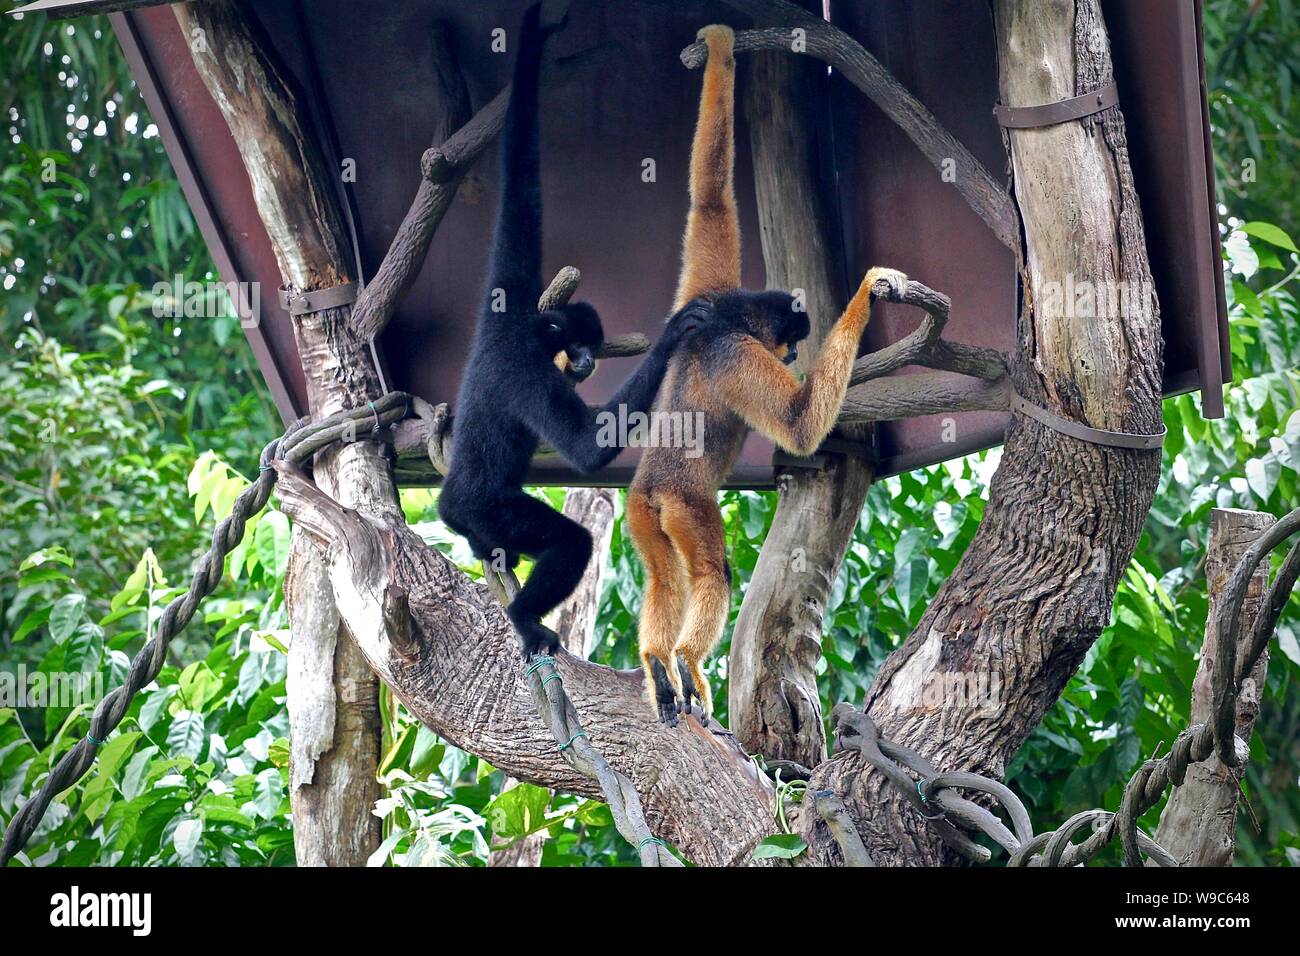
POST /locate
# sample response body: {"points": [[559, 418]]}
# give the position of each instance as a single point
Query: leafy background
{"points": [[117, 456]]}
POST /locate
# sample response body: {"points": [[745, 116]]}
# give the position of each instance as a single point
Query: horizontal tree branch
{"points": [[966, 377], [922, 393], [924, 346]]}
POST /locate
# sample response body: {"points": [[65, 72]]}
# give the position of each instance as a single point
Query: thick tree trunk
{"points": [[1199, 823], [1035, 587], [773, 704], [333, 696]]}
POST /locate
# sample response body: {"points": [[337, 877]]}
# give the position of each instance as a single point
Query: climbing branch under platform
{"points": [[964, 377], [441, 169]]}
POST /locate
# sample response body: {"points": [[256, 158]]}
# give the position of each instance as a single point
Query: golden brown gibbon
{"points": [[730, 375]]}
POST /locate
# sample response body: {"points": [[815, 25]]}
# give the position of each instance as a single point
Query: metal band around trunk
{"points": [[319, 299], [1094, 436], [1062, 111]]}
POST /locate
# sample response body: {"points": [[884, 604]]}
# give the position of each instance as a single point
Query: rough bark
{"points": [[454, 661], [336, 786], [1199, 823], [773, 704], [1035, 587]]}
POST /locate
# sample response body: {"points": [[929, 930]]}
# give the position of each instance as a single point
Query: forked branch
{"points": [[966, 377]]}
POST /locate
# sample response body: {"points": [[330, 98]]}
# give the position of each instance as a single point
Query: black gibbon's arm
{"points": [[562, 419], [517, 240]]}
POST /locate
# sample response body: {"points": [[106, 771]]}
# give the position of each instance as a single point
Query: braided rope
{"points": [[299, 442]]}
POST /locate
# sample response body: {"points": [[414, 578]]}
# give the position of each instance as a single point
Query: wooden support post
{"points": [[333, 695], [773, 704], [1199, 823]]}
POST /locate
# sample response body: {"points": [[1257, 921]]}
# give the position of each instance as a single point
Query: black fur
{"points": [[512, 395]]}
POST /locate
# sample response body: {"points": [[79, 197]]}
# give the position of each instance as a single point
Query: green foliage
{"points": [[196, 772], [1252, 53], [1132, 694]]}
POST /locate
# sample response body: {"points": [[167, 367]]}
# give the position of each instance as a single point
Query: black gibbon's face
{"points": [[573, 334], [770, 317]]}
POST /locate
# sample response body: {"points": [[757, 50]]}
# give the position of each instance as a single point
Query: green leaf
{"points": [[1270, 234], [272, 542], [268, 790], [65, 616], [782, 846], [31, 622], [186, 837], [37, 558], [185, 736], [278, 752], [1240, 255], [114, 753], [517, 811]]}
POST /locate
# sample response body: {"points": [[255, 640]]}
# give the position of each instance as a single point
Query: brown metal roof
{"points": [[623, 232]]}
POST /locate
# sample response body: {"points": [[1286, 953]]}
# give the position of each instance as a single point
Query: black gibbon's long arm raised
{"points": [[517, 387], [732, 376]]}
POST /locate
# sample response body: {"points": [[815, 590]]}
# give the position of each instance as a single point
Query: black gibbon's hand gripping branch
{"points": [[516, 390]]}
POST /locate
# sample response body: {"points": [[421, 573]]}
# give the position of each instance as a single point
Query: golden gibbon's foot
{"points": [[665, 696], [689, 691]]}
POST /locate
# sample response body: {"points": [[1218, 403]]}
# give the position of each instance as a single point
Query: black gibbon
{"points": [[733, 373], [516, 387]]}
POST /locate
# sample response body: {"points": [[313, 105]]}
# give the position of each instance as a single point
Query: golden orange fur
{"points": [[733, 383]]}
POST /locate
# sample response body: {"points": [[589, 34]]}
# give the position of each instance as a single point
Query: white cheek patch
{"points": [[562, 361]]}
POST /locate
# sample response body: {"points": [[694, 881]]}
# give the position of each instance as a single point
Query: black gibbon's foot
{"points": [[665, 696], [534, 636]]}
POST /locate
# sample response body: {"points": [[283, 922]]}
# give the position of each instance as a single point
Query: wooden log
{"points": [[333, 696], [773, 703], [463, 679], [1199, 823]]}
